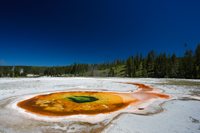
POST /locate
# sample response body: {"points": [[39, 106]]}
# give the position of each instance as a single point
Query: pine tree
{"points": [[160, 68], [144, 70], [144, 73], [173, 58], [186, 47], [174, 62], [133, 69], [197, 55], [111, 73], [128, 66], [188, 64], [74, 70], [17, 71], [165, 64], [156, 72], [137, 61], [181, 68], [92, 71], [169, 67], [149, 62], [141, 58], [144, 63], [194, 71]]}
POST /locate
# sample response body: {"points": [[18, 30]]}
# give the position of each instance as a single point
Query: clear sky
{"points": [[61, 32]]}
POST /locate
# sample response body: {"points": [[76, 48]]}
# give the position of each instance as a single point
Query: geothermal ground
{"points": [[178, 112]]}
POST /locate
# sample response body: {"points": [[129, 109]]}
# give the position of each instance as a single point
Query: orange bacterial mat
{"points": [[88, 102]]}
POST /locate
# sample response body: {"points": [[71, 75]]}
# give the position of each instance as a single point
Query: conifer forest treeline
{"points": [[155, 65]]}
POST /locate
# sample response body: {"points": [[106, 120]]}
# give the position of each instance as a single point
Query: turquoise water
{"points": [[82, 99]]}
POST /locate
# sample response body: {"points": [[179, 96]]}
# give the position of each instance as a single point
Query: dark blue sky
{"points": [[51, 33]]}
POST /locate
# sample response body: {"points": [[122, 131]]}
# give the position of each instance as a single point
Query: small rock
{"points": [[140, 108]]}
